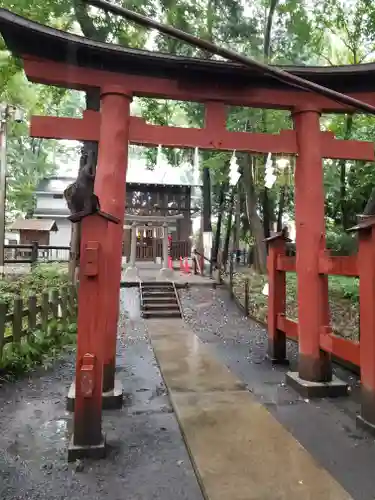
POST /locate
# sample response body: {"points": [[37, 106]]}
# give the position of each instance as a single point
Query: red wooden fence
{"points": [[278, 322], [360, 354]]}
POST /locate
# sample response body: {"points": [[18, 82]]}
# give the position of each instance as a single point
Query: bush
{"points": [[341, 243], [41, 278], [39, 347]]}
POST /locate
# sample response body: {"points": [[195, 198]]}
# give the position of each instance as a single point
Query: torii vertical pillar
{"points": [[366, 270], [314, 377], [87, 439], [110, 187]]}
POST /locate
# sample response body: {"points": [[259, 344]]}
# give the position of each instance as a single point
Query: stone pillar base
{"points": [[111, 400], [277, 361], [307, 389], [131, 273], [365, 425], [166, 273], [76, 452]]}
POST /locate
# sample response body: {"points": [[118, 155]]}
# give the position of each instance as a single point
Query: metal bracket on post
{"points": [[88, 375]]}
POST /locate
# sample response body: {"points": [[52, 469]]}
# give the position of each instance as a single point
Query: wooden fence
{"points": [[33, 253], [37, 313]]}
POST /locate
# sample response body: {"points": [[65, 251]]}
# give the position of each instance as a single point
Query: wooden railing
{"points": [[38, 313], [344, 349], [30, 254]]}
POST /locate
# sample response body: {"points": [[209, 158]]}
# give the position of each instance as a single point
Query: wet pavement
{"points": [[326, 428], [147, 458], [238, 448], [149, 271]]}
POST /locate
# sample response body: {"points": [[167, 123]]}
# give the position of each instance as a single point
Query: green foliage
{"points": [[39, 348], [341, 243], [41, 278]]}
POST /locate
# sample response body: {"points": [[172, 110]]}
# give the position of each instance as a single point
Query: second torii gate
{"points": [[53, 57]]}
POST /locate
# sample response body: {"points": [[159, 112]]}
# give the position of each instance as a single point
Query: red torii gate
{"points": [[121, 74]]}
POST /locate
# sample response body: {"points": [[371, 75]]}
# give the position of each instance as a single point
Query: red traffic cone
{"points": [[186, 266]]}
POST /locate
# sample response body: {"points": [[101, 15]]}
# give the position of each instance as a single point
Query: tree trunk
{"points": [[266, 207], [206, 200], [229, 229], [280, 211], [237, 221], [218, 227], [92, 103], [342, 165], [260, 253]]}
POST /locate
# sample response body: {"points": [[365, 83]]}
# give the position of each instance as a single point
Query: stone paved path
{"points": [[326, 428]]}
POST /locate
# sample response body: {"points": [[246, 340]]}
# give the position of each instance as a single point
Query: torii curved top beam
{"points": [[273, 72], [26, 38]]}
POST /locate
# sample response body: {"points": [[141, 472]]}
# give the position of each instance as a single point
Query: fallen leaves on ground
{"points": [[343, 300]]}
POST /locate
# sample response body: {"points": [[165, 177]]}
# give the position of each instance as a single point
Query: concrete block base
{"points": [[131, 273], [277, 361], [364, 424], [112, 400], [307, 389], [166, 273], [76, 452]]}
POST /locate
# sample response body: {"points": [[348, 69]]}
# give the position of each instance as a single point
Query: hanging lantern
{"points": [[282, 163]]}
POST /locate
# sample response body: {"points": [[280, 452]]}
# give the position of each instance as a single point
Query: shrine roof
{"points": [[25, 37]]}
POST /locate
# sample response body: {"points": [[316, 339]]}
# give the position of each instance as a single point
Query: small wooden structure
{"points": [[34, 230], [162, 200]]}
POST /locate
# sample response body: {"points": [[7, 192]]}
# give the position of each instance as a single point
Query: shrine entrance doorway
{"points": [[149, 239]]}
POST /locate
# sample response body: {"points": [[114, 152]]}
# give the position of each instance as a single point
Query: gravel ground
{"points": [[326, 428], [147, 458]]}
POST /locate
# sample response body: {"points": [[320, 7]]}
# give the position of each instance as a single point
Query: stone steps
{"points": [[159, 300]]}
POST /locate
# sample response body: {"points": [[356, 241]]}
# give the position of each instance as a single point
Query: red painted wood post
{"points": [[314, 364], [87, 435], [276, 299], [366, 270], [110, 187]]}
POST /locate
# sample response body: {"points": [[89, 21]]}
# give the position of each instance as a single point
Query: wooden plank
{"points": [[45, 310], [341, 348], [32, 312], [341, 266], [17, 319], [285, 263], [3, 310], [289, 326]]}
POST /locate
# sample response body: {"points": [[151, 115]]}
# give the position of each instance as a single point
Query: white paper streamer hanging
{"points": [[265, 290], [270, 177], [269, 164], [233, 165]]}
